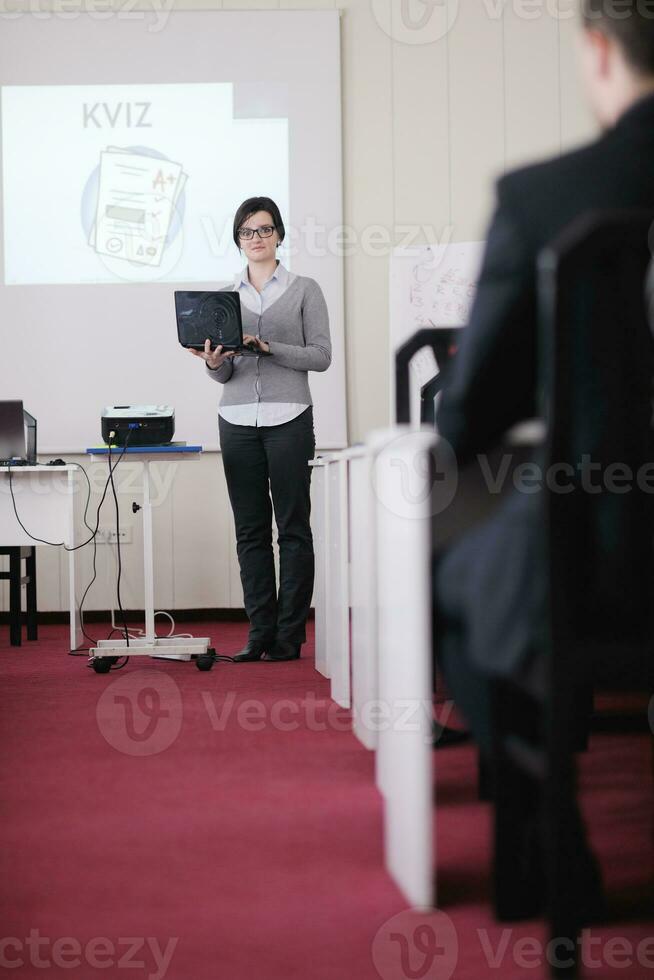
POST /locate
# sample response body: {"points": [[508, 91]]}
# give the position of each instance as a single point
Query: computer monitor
{"points": [[17, 434]]}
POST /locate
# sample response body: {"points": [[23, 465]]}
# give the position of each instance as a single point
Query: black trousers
{"points": [[260, 461]]}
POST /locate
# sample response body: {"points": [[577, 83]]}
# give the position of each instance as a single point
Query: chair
{"points": [[444, 350], [596, 376], [17, 555], [597, 371], [441, 340]]}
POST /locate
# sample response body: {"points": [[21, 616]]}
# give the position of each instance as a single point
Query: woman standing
{"points": [[266, 431]]}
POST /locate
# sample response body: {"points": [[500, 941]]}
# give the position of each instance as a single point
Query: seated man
{"points": [[489, 587]]}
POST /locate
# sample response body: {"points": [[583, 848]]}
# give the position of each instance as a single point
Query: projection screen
{"points": [[127, 143]]}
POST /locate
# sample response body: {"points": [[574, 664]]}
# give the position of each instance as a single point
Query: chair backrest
{"points": [[441, 340], [597, 378]]}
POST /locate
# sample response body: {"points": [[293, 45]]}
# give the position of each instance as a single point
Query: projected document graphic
{"points": [[133, 207], [132, 183]]}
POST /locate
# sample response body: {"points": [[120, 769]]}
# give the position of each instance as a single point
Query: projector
{"points": [[147, 425]]}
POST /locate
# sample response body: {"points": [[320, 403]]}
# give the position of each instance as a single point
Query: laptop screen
{"points": [[12, 431], [216, 316]]}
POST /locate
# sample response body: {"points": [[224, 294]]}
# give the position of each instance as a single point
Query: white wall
{"points": [[427, 128]]}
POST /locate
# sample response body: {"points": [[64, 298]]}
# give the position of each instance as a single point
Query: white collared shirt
{"points": [[257, 413]]}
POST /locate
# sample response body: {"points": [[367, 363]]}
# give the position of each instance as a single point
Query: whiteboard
{"points": [[430, 286], [73, 339]]}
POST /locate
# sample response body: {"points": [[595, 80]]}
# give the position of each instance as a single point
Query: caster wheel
{"points": [[102, 665], [206, 660]]}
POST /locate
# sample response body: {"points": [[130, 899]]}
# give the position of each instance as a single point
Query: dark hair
{"points": [[630, 22], [250, 207]]}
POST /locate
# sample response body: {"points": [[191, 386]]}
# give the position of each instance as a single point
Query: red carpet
{"points": [[162, 822]]}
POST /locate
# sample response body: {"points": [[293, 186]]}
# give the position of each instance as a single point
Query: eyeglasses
{"points": [[265, 231]]}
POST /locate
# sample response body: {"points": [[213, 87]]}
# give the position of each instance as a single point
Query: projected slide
{"points": [[135, 183]]}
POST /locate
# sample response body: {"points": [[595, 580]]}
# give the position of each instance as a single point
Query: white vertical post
{"points": [[401, 480], [329, 560], [324, 667], [320, 549], [363, 597], [339, 611], [148, 556], [76, 635]]}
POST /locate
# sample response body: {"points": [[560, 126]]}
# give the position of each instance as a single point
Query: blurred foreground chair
{"points": [[596, 378], [597, 361]]}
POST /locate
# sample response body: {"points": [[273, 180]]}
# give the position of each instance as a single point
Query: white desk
{"points": [[338, 611], [363, 593], [320, 538], [45, 501], [373, 548], [331, 593], [150, 645], [345, 594], [403, 495]]}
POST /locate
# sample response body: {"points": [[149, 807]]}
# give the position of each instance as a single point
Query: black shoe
{"points": [[283, 650], [253, 650]]}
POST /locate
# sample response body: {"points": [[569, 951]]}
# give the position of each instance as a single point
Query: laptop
{"points": [[15, 447], [215, 316]]}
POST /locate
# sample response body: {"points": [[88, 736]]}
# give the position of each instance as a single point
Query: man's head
{"points": [[617, 54]]}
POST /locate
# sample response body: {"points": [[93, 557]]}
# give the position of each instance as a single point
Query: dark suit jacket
{"points": [[489, 582], [493, 380]]}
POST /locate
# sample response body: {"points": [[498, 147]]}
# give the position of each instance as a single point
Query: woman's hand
{"points": [[212, 358], [256, 342]]}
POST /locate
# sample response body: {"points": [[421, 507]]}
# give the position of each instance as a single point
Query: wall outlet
{"points": [[107, 535]]}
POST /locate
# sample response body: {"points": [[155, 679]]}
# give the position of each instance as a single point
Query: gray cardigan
{"points": [[297, 328]]}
